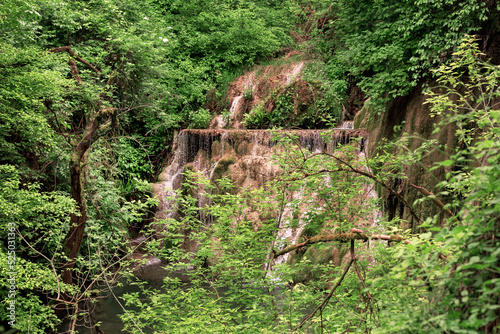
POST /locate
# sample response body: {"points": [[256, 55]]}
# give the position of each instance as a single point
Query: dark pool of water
{"points": [[108, 310]]}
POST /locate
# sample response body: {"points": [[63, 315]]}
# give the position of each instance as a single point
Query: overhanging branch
{"points": [[355, 234], [433, 197], [345, 166], [374, 178]]}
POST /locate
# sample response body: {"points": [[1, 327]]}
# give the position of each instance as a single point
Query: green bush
{"points": [[303, 104], [199, 119]]}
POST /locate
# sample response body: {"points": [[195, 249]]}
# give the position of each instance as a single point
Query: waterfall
{"points": [[248, 86], [346, 125], [169, 181], [295, 70], [205, 150], [286, 234]]}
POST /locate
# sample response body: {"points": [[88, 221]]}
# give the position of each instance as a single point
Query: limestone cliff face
{"points": [[260, 88], [245, 156], [412, 116], [277, 95]]}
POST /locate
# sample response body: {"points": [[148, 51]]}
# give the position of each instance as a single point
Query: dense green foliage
{"points": [[233, 284], [208, 41], [114, 80], [40, 218], [443, 280], [392, 44], [66, 65], [472, 283], [389, 47], [452, 270]]}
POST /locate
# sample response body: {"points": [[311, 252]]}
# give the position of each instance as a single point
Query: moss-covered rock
{"points": [[222, 167], [409, 115], [216, 148], [309, 264]]}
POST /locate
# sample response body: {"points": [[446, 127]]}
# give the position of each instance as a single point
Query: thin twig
{"points": [[71, 52], [325, 301], [111, 290], [436, 201], [46, 258]]}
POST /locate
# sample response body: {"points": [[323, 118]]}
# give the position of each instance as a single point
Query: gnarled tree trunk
{"points": [[97, 123], [101, 122]]}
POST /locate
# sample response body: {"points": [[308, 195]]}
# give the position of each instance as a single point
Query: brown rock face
{"points": [[409, 115]]}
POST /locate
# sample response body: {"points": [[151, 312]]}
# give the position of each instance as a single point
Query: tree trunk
{"points": [[74, 238], [96, 122], [101, 122]]}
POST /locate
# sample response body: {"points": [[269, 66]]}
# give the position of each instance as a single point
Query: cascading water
{"points": [[248, 87], [249, 152], [205, 149], [346, 125], [286, 234], [296, 69]]}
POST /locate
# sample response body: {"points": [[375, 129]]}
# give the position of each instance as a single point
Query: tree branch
{"points": [[74, 71], [356, 234], [351, 168], [433, 197], [374, 178], [325, 301], [72, 53]]}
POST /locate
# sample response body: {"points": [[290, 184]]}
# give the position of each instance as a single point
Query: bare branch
{"points": [[74, 71], [48, 260], [436, 200], [374, 178], [72, 53], [325, 301], [351, 168], [111, 290]]}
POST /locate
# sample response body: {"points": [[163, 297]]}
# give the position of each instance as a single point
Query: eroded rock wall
{"points": [[410, 115]]}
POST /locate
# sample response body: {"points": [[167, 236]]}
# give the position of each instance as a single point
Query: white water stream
{"points": [[296, 69]]}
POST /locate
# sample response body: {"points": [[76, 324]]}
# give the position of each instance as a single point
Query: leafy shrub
{"points": [[199, 119], [41, 219], [446, 279], [256, 118], [248, 93], [303, 104], [132, 160]]}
